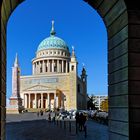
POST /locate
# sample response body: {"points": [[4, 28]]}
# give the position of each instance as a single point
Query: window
{"points": [[72, 68]]}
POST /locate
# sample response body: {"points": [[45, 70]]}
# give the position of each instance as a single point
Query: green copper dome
{"points": [[52, 42]]}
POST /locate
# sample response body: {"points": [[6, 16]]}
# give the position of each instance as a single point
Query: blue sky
{"points": [[75, 22]]}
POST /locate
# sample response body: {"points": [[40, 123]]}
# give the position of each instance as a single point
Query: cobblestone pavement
{"points": [[29, 126]]}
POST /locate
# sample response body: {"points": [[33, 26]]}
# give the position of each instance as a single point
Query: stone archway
{"points": [[123, 26]]}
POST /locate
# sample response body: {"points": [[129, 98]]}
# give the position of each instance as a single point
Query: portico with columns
{"points": [[43, 100]]}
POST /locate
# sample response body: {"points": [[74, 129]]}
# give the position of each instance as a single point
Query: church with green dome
{"points": [[54, 82]]}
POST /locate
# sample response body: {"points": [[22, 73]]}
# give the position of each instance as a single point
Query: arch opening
{"points": [[118, 76]]}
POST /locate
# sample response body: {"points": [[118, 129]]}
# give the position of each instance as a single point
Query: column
{"points": [[43, 66], [33, 69], [58, 66], [37, 68], [54, 100], [52, 65], [40, 66], [41, 100], [48, 65], [66, 66], [35, 100], [25, 100], [62, 66], [48, 101], [29, 100]]}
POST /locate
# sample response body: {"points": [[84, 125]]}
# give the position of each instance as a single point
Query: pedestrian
{"points": [[38, 113], [41, 112], [54, 118], [81, 121], [85, 124], [49, 117], [77, 121]]}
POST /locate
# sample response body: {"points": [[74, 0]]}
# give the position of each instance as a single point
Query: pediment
{"points": [[38, 88]]}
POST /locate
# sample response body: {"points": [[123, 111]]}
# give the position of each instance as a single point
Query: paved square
{"points": [[29, 126]]}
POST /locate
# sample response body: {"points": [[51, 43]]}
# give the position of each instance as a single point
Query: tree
{"points": [[90, 104]]}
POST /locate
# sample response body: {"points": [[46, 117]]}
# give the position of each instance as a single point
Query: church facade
{"points": [[54, 82]]}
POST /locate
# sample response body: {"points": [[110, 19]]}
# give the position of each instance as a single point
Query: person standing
{"points": [[49, 117], [77, 117], [41, 112], [38, 113], [81, 121]]}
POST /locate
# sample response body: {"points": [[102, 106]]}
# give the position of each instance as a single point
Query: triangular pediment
{"points": [[38, 88]]}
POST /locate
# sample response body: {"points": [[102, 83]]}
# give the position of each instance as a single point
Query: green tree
{"points": [[90, 103]]}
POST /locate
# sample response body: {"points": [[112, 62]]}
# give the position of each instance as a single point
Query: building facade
{"points": [[104, 105], [98, 99], [54, 82]]}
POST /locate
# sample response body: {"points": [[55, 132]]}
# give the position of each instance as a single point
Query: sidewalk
{"points": [[31, 127]]}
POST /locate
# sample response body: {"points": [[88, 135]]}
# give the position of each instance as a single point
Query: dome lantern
{"points": [[52, 30]]}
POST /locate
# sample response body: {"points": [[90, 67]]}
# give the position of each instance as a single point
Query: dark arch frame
{"points": [[123, 26]]}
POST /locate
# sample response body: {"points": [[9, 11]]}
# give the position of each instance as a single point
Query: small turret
{"points": [[84, 81], [84, 75], [73, 62], [73, 72]]}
